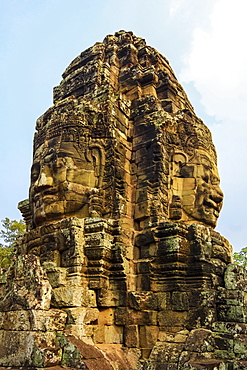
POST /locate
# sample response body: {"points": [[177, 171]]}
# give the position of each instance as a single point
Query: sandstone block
{"points": [[99, 334], [82, 315], [15, 348], [49, 356], [91, 315], [45, 339], [26, 348], [57, 276], [52, 319], [223, 342], [145, 353], [164, 353], [141, 210], [228, 294], [113, 334], [106, 317], [171, 318], [163, 300], [229, 327], [73, 296], [180, 300], [173, 245], [131, 336], [142, 300], [239, 346], [234, 276], [49, 255], [231, 313], [123, 316], [178, 337], [224, 354], [199, 340], [81, 331], [15, 320], [148, 336], [111, 298]]}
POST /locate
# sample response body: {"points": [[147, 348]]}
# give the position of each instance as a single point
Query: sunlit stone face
{"points": [[62, 177], [196, 183]]}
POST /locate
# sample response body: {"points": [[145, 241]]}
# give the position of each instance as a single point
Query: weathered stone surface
{"points": [[73, 296], [131, 336], [82, 315], [108, 334], [27, 286], [121, 267], [15, 348], [52, 319], [27, 348], [15, 320], [235, 277], [106, 317], [142, 300], [56, 276]]}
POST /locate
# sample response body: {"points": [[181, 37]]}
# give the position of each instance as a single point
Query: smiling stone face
{"points": [[195, 184], [208, 197], [62, 178]]}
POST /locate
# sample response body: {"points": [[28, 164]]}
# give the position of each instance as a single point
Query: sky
{"points": [[204, 40]]}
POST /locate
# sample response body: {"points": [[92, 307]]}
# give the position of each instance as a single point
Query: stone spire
{"points": [[121, 267]]}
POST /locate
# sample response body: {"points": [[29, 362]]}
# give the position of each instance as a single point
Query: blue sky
{"points": [[203, 40]]}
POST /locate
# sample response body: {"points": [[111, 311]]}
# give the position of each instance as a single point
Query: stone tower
{"points": [[121, 267]]}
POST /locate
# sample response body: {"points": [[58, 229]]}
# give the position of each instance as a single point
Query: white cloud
{"points": [[176, 6], [216, 65], [217, 61]]}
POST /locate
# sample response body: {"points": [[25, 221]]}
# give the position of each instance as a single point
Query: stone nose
{"points": [[44, 180], [216, 194]]}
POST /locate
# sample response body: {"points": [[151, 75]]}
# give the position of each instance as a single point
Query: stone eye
{"points": [[57, 163], [50, 158], [214, 180], [35, 171]]}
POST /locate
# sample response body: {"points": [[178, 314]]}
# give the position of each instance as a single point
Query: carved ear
{"points": [[96, 155], [179, 158], [180, 166], [177, 162]]}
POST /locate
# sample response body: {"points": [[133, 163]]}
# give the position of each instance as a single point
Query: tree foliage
{"points": [[5, 257], [8, 235], [240, 258], [12, 229]]}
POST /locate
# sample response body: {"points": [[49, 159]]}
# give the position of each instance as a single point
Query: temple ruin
{"points": [[120, 267]]}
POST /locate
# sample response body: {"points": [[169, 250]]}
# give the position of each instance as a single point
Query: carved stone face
{"points": [[61, 180], [197, 185]]}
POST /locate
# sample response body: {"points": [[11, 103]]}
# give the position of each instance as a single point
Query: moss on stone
{"points": [[71, 357], [37, 357]]}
